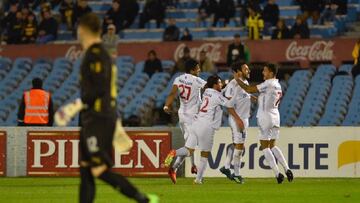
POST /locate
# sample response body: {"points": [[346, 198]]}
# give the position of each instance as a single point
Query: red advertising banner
{"points": [[303, 51], [52, 153], [2, 153]]}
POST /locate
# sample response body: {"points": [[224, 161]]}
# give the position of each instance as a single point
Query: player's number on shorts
{"points": [[185, 92], [92, 144], [278, 97], [205, 104]]}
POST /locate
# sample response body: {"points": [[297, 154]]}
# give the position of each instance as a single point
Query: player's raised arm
{"points": [[170, 99], [249, 89]]}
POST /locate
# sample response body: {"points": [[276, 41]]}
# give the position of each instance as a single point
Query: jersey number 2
{"points": [[205, 104], [185, 92]]}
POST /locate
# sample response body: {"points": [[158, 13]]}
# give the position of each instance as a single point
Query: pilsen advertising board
{"points": [[2, 153], [335, 50], [51, 153]]}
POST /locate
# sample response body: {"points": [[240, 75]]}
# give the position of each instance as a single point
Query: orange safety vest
{"points": [[36, 106]]}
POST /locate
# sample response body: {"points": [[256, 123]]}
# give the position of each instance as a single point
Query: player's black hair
{"points": [[272, 68], [91, 22], [212, 80], [237, 66], [37, 83], [190, 65]]}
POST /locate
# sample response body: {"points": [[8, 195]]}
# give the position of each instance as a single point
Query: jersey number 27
{"points": [[185, 92]]}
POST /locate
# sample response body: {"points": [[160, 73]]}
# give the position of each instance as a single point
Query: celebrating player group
{"points": [[200, 115]]}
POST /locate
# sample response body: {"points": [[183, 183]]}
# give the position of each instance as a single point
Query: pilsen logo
{"points": [[318, 51], [212, 49], [73, 53]]}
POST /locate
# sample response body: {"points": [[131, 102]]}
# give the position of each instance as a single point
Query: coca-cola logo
{"points": [[73, 53], [318, 51], [212, 49]]}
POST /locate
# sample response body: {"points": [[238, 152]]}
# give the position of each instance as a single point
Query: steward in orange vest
{"points": [[36, 108]]}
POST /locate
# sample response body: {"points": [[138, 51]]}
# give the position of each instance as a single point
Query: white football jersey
{"points": [[240, 99], [269, 99], [211, 111], [189, 87]]}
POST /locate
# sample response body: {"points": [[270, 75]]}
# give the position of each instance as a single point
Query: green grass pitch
{"points": [[213, 190]]}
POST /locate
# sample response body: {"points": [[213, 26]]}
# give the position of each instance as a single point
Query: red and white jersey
{"points": [[189, 87], [240, 99], [211, 108], [269, 99]]}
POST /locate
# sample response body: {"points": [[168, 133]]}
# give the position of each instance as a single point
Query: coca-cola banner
{"points": [[2, 153], [335, 50], [57, 154]]}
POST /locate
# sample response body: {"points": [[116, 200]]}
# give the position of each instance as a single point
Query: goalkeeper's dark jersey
{"points": [[98, 82]]}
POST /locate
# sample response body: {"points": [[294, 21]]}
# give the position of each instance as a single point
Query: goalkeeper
{"points": [[98, 115]]}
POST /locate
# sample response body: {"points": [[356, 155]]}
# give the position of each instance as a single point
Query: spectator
{"points": [[237, 52], [300, 29], [271, 15], [186, 35], [110, 40], [81, 8], [180, 64], [356, 52], [311, 8], [29, 34], [205, 10], [48, 28], [328, 15], [67, 13], [107, 21], [356, 55], [153, 9], [172, 32], [152, 64], [281, 31], [225, 10], [25, 12], [342, 6], [255, 25], [132, 10], [9, 20], [206, 65], [36, 108], [15, 29], [116, 14]]}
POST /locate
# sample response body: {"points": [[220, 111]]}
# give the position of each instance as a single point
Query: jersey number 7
{"points": [[279, 95], [185, 91]]}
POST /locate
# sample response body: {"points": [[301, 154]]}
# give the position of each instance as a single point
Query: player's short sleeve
{"points": [[262, 86], [229, 91], [223, 101], [176, 81], [200, 83]]}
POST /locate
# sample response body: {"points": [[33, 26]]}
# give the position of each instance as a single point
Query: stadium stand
{"points": [[186, 17], [309, 99]]}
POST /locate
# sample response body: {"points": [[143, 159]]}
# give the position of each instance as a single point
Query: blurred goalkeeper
{"points": [[98, 116]]}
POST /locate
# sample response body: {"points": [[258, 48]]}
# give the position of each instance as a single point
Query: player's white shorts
{"points": [[269, 128], [202, 135], [237, 136], [185, 120]]}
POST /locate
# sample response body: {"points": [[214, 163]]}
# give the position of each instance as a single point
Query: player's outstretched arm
{"points": [[170, 99], [63, 116], [236, 117], [249, 89]]}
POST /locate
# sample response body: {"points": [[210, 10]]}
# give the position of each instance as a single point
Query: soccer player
{"points": [[98, 115], [206, 122], [188, 86], [242, 105], [268, 118]]}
